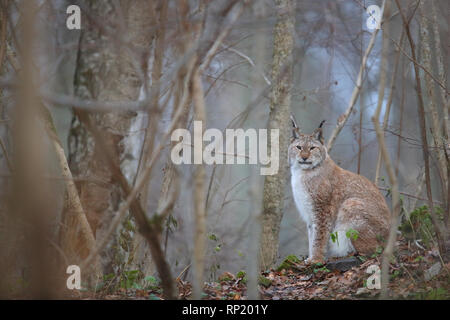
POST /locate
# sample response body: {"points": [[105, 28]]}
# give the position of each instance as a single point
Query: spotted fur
{"points": [[331, 199]]}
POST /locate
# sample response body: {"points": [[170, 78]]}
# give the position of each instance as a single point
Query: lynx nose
{"points": [[304, 158]]}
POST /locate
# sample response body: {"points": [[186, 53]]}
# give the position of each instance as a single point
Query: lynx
{"points": [[335, 201]]}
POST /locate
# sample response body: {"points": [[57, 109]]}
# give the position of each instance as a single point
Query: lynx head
{"points": [[307, 151]]}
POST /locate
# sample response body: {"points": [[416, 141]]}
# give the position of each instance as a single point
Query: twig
{"points": [[250, 61], [344, 117], [235, 12], [389, 168], [410, 195], [413, 60], [75, 217], [388, 106], [183, 271]]}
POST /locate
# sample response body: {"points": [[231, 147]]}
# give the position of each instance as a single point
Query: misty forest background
{"points": [[86, 117]]}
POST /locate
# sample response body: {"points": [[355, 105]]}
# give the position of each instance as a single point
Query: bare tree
{"points": [[116, 73], [436, 131], [274, 186], [441, 231], [32, 199]]}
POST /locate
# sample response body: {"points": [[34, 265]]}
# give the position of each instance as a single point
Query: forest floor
{"points": [[416, 273]]}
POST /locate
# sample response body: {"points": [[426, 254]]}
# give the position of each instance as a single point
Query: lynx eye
{"points": [[312, 148], [299, 147]]}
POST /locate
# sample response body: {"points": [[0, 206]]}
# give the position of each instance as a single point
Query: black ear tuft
{"points": [[318, 133], [295, 128], [321, 124]]}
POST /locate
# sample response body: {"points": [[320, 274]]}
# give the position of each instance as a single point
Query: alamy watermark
{"points": [[375, 15], [73, 21], [374, 281], [74, 280], [231, 150]]}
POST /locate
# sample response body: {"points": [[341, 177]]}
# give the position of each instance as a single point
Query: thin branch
{"points": [[413, 60], [344, 117], [389, 168], [388, 106], [75, 217], [250, 61], [235, 12]]}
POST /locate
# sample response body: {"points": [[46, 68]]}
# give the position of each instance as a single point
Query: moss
{"points": [[321, 268], [226, 276], [433, 294], [242, 276], [289, 262], [266, 282], [419, 225]]}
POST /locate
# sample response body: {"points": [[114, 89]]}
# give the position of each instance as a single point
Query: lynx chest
{"points": [[302, 197]]}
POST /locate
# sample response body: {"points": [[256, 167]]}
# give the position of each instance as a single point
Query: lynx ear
{"points": [[318, 133], [295, 129]]}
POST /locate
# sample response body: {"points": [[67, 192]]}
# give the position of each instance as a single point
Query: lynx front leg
{"points": [[318, 234], [310, 239]]}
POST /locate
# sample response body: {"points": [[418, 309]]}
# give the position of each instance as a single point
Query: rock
{"points": [[362, 291], [432, 271], [343, 264], [306, 278]]}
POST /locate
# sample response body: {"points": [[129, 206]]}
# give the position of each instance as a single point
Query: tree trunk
{"points": [[274, 185], [440, 229], [108, 70], [431, 104], [258, 81]]}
